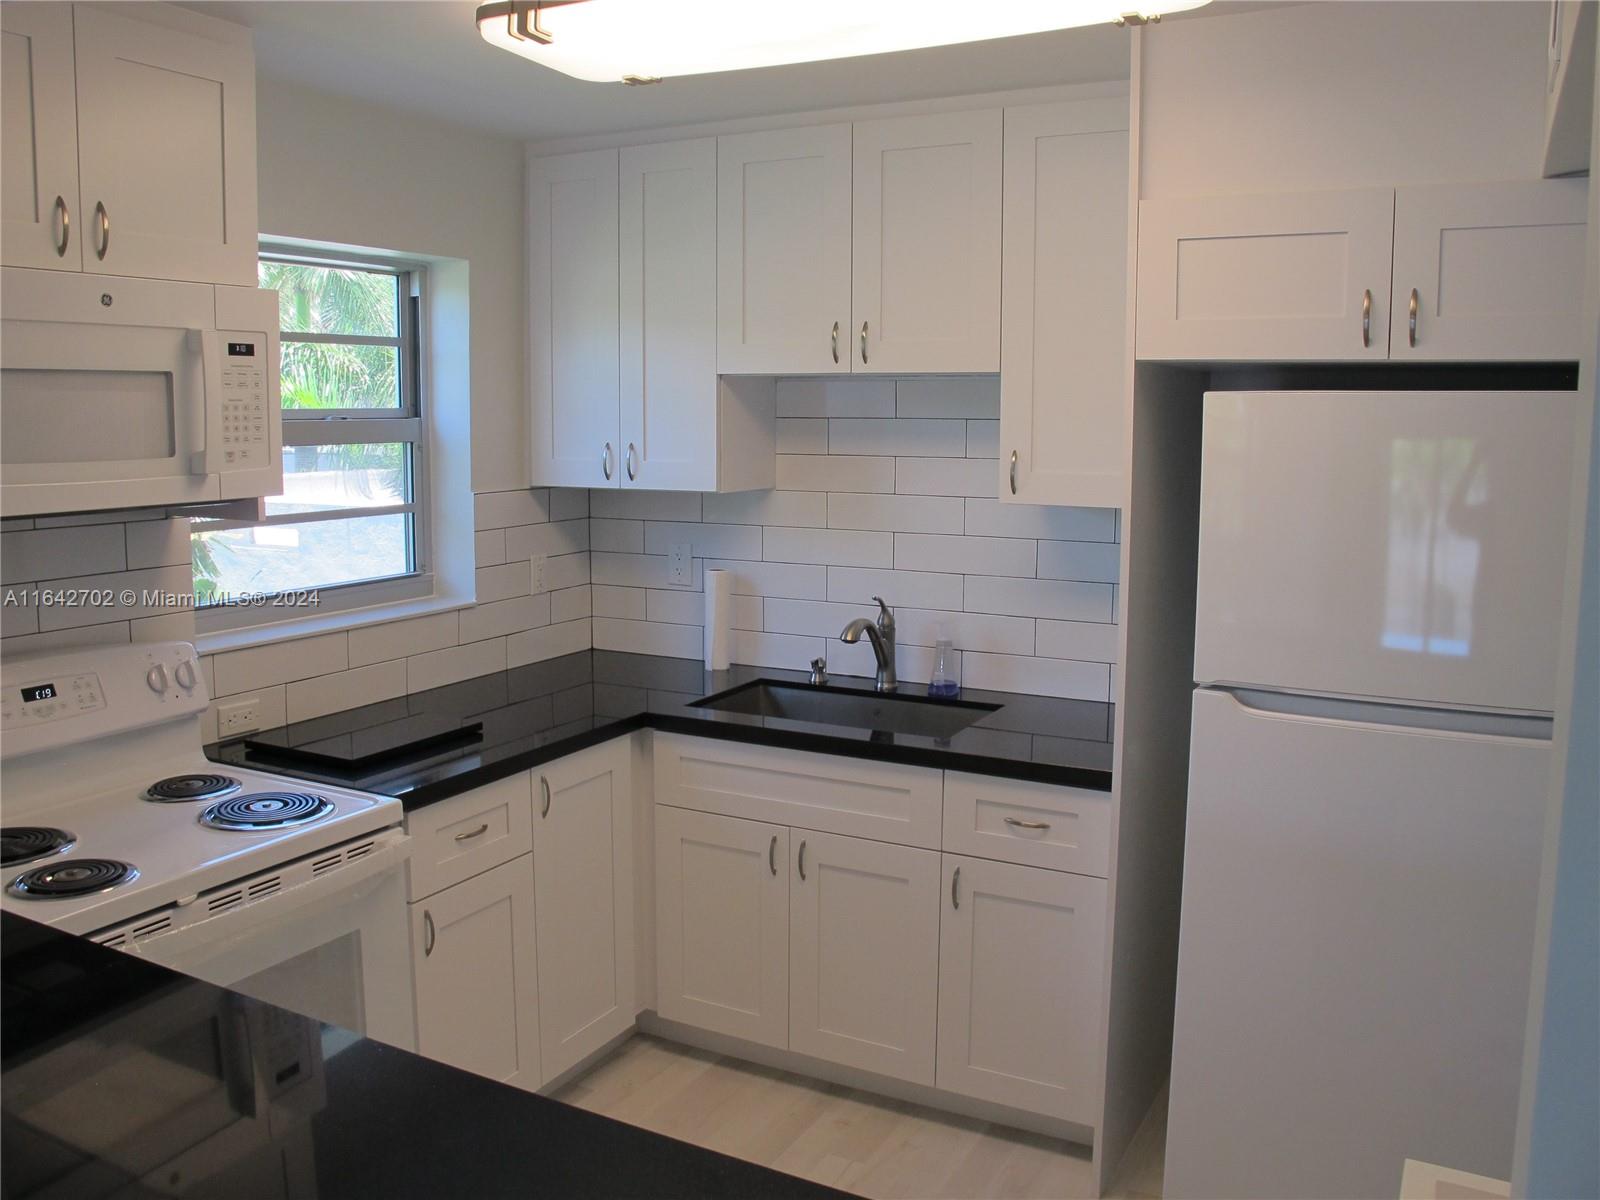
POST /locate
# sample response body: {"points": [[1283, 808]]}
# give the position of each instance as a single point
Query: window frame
{"points": [[406, 424]]}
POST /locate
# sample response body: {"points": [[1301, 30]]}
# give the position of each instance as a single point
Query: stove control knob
{"points": [[156, 677], [184, 674]]}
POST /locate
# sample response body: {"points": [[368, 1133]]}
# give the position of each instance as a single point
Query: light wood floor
{"points": [[853, 1140]]}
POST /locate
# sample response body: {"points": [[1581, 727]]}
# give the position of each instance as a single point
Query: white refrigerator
{"points": [[1379, 590]]}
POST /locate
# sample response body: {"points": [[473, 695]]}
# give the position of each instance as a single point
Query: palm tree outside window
{"points": [[351, 514]]}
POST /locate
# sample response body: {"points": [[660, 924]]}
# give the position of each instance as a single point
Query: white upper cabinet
{"points": [[925, 224], [1063, 364], [783, 251], [129, 146], [39, 146], [1020, 970], [1279, 278], [166, 151], [1489, 270], [722, 924], [864, 954], [583, 888], [572, 310]]}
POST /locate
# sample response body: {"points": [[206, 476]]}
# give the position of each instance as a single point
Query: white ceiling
{"points": [[427, 57]]}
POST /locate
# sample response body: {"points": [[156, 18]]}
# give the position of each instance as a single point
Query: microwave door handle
{"points": [[208, 459]]}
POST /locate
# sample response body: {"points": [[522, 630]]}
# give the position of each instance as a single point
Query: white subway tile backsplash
{"points": [[103, 598], [779, 650], [565, 571], [555, 537], [455, 663], [802, 435], [610, 600], [504, 616], [35, 555], [568, 504], [648, 637], [949, 396], [308, 698], [630, 504], [928, 589], [996, 519], [835, 397], [1094, 562], [913, 514], [970, 631], [639, 570], [946, 477], [496, 510], [794, 580], [571, 604], [503, 582], [552, 641], [983, 439], [769, 508], [158, 543], [1091, 641], [489, 547], [262, 666], [974, 555], [1040, 676], [1057, 599], [905, 436], [842, 547], [705, 541], [616, 537], [834, 473], [397, 639]]}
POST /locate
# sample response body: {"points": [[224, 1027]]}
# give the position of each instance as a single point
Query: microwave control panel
{"points": [[244, 401]]}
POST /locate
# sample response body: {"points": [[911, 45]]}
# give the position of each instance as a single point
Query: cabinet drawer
{"points": [[1034, 824], [458, 838], [883, 801]]}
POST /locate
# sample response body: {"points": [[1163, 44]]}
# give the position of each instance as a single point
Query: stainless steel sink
{"points": [[829, 705]]}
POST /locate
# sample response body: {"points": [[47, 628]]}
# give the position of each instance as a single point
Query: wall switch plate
{"points": [[241, 716], [679, 565], [536, 574]]}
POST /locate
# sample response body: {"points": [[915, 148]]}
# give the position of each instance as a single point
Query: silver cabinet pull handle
{"points": [[633, 462], [836, 341], [802, 862], [544, 790], [772, 855], [955, 889], [66, 227], [605, 460], [1412, 317], [1013, 472], [478, 832], [1017, 823], [1366, 318], [863, 343], [104, 220], [429, 934]]}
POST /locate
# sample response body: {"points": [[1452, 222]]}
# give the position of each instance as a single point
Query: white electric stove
{"points": [[115, 826]]}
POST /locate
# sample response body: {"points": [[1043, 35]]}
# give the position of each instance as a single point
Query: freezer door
{"points": [[1404, 545], [1355, 947]]}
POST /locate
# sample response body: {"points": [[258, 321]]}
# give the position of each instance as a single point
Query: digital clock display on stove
{"points": [[39, 691]]}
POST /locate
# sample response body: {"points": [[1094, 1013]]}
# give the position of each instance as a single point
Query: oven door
{"points": [[336, 947]]}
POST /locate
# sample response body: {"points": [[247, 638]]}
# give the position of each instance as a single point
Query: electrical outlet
{"points": [[680, 567], [536, 574], [242, 716]]}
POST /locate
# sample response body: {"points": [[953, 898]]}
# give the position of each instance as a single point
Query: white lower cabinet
{"points": [[722, 924], [864, 954], [583, 890], [1021, 954], [472, 949]]}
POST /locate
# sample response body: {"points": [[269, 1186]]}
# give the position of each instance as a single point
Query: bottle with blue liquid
{"points": [[943, 682]]}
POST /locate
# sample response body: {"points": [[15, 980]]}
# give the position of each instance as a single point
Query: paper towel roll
{"points": [[719, 618]]}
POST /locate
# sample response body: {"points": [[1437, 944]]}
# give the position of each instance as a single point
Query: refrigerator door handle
{"points": [[1532, 726]]}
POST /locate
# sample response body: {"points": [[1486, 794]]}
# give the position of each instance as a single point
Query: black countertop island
{"points": [[122, 1078], [484, 729]]}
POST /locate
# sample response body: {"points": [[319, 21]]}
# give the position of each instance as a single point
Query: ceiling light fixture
{"points": [[641, 41]]}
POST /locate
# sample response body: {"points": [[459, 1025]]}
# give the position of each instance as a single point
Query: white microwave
{"points": [[132, 393]]}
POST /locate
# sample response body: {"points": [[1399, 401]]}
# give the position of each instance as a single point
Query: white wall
{"points": [[1332, 95]]}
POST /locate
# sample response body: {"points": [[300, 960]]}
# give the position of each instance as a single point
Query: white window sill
{"points": [[240, 637]]}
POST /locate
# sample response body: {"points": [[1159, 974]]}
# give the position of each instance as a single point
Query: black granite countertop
{"points": [[122, 1078], [542, 711]]}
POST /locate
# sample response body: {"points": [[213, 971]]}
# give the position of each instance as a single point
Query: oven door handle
{"points": [[209, 458], [205, 938]]}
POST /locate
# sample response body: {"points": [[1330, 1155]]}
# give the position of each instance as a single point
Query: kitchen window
{"points": [[350, 527]]}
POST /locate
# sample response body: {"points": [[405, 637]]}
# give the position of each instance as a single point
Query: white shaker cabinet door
{"points": [[926, 251], [864, 954], [783, 252], [722, 924], [668, 270], [43, 226], [1021, 962], [472, 950], [1063, 365], [583, 884], [572, 313], [1492, 271], [1274, 278], [166, 151]]}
